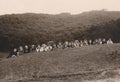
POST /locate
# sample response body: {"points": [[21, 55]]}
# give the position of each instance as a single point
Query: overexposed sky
{"points": [[56, 6]]}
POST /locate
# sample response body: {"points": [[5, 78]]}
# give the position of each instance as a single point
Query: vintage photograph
{"points": [[59, 40]]}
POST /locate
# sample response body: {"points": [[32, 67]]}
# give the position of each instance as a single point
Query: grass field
{"points": [[96, 63]]}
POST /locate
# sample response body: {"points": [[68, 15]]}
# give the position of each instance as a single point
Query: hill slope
{"points": [[21, 29], [90, 62]]}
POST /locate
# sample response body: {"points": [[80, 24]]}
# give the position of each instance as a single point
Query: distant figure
{"points": [[60, 46], [109, 41], [96, 42], [26, 49], [14, 53], [50, 43], [100, 41], [48, 48], [66, 43], [54, 46], [76, 44], [70, 44], [104, 41], [21, 50], [85, 42], [38, 48], [33, 47], [43, 47], [81, 43], [90, 42]]}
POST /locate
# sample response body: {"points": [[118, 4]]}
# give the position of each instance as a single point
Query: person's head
{"points": [[38, 46], [104, 39], [33, 46], [66, 42], [60, 43], [99, 39], [96, 40], [44, 45], [21, 48], [81, 41], [76, 41], [90, 40], [26, 46], [15, 49]]}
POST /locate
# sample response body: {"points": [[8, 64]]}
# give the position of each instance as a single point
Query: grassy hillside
{"points": [[21, 29], [69, 65]]}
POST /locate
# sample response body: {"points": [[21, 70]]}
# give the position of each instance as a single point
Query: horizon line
{"points": [[64, 12]]}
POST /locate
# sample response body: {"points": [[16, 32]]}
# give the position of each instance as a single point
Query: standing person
{"points": [[90, 42], [14, 53], [66, 44], [85, 42], [60, 46], [20, 50], [42, 48], [38, 48], [99, 41], [50, 47], [26, 49], [70, 44], [109, 41], [54, 46], [104, 41], [81, 43], [33, 47], [96, 42], [76, 44]]}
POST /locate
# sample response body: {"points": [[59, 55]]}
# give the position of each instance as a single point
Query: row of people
{"points": [[51, 45]]}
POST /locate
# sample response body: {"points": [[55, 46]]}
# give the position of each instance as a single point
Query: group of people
{"points": [[51, 45]]}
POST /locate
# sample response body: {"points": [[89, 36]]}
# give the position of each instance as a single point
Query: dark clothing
{"points": [[104, 42], [14, 53], [11, 54], [26, 50]]}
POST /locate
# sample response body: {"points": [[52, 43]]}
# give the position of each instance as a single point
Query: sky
{"points": [[56, 6]]}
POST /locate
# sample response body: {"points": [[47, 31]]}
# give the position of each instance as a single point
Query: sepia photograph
{"points": [[59, 40]]}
